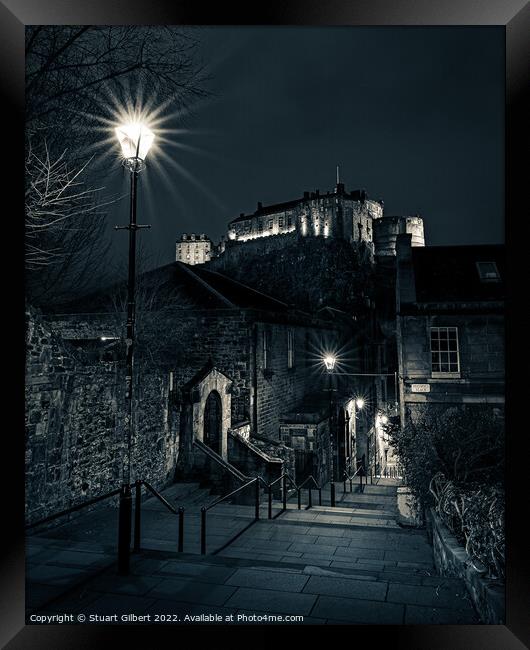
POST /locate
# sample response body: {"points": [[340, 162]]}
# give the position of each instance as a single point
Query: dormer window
{"points": [[488, 272]]}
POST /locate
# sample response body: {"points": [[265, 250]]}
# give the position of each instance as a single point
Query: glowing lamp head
{"points": [[135, 140], [384, 419], [359, 402], [329, 362]]}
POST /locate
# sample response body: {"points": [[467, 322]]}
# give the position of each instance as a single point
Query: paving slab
{"points": [[55, 575], [272, 601], [274, 580], [132, 585], [428, 596], [191, 591], [346, 587], [358, 611], [200, 572]]}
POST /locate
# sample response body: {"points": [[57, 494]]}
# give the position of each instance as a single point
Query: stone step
{"points": [[426, 595], [380, 513]]}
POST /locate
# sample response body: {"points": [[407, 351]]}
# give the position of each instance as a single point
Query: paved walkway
{"points": [[349, 564]]}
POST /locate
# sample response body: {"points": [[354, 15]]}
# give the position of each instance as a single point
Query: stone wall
{"points": [[451, 559], [74, 429], [280, 388]]}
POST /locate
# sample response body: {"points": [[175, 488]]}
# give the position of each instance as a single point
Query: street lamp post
{"points": [[330, 362], [135, 140]]}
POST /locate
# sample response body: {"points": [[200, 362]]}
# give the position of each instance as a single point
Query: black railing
{"points": [[230, 495], [315, 486], [124, 552], [138, 514], [360, 472], [69, 511]]}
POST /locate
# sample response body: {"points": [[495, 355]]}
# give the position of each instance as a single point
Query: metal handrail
{"points": [[231, 494], [220, 460], [68, 511], [159, 496], [138, 514], [310, 495], [358, 472], [312, 478], [204, 509]]}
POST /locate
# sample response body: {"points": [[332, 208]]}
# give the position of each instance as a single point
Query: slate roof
{"points": [[184, 286], [450, 273]]}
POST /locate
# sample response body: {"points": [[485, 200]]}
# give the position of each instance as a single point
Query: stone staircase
{"points": [[348, 564]]}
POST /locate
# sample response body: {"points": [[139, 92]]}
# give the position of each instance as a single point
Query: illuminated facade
{"points": [[346, 215], [193, 249], [349, 216]]}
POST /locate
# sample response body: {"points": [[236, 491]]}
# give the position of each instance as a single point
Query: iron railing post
{"points": [[124, 530], [137, 514], [309, 499], [256, 508], [270, 501], [319, 496], [203, 531], [351, 487], [344, 486], [332, 494], [284, 491], [181, 529], [299, 494]]}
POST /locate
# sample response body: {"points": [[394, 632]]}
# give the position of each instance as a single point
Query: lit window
{"points": [[271, 223], [444, 351], [290, 348], [280, 222], [488, 272]]}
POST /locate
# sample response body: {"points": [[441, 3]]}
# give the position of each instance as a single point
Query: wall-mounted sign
{"points": [[420, 388]]}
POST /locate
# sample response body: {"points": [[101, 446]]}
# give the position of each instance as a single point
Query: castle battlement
{"points": [[350, 216]]}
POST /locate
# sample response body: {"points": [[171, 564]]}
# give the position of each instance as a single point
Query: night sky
{"points": [[413, 115]]}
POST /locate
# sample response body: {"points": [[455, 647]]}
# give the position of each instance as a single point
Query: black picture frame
{"points": [[514, 15]]}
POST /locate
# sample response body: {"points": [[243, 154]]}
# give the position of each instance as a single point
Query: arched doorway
{"points": [[213, 422]]}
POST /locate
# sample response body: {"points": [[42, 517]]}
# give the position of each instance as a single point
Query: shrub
{"points": [[453, 459], [475, 514]]}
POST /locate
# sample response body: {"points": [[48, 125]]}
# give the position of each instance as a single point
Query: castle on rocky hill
{"points": [[350, 216]]}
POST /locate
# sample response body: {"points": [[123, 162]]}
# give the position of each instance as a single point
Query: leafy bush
{"points": [[475, 514], [453, 459]]}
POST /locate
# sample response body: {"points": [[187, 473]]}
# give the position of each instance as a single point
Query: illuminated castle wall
{"points": [[346, 215], [350, 216]]}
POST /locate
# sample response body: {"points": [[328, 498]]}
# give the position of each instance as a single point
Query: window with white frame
{"points": [[444, 351], [488, 272], [290, 348]]}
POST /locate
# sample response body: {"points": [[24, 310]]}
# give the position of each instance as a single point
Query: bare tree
{"points": [[76, 78], [60, 210], [74, 74]]}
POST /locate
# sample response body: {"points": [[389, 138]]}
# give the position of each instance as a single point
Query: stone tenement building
{"points": [[350, 216], [194, 249], [450, 327]]}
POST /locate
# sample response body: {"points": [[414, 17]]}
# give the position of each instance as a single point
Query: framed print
{"points": [[268, 265]]}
